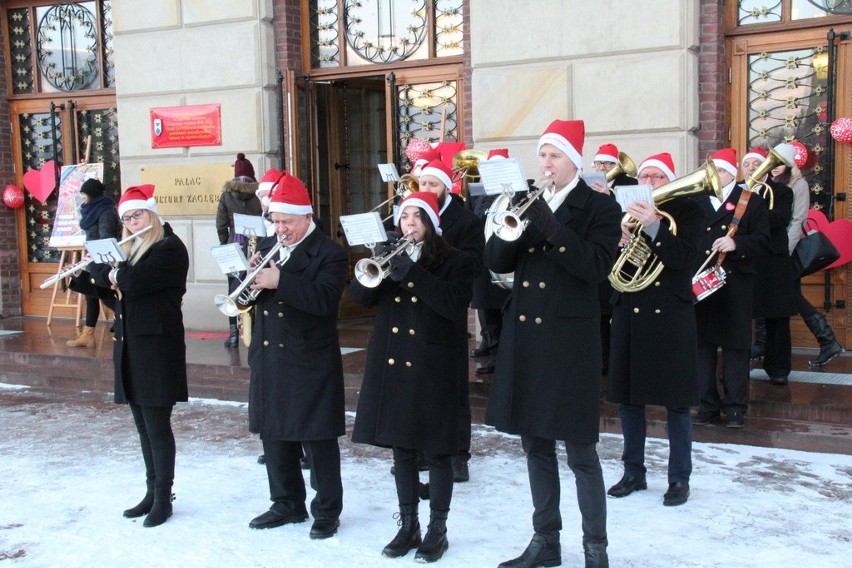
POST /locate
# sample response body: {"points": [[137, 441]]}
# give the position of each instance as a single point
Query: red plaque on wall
{"points": [[192, 125]]}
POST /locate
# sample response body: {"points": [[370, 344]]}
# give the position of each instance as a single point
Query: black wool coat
{"points": [[410, 393], [296, 387], [653, 340], [724, 317], [774, 287], [149, 350], [486, 294], [547, 378]]}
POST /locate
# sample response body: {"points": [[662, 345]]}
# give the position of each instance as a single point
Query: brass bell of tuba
{"points": [[466, 165], [624, 166], [753, 183], [637, 266]]}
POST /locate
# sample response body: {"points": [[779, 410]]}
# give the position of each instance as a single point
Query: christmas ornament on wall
{"points": [[13, 197], [841, 130]]}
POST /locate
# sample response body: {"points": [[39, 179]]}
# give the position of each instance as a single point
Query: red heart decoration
{"points": [[839, 232], [41, 183]]}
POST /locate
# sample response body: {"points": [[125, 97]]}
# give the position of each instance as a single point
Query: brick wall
{"points": [[712, 79], [10, 278]]}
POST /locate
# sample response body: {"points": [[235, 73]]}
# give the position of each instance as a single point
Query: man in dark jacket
{"points": [[296, 390], [547, 382]]}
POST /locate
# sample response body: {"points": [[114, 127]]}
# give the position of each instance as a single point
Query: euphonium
{"points": [[624, 166], [753, 183], [240, 299], [637, 266], [466, 163], [510, 226], [245, 319], [371, 271]]}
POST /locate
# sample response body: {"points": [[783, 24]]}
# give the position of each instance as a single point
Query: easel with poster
{"points": [[67, 236]]}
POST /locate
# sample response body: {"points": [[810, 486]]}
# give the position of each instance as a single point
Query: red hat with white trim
{"points": [[436, 168], [758, 153], [425, 200], [268, 182], [498, 153], [567, 136], [662, 162], [607, 153], [290, 196], [137, 197], [726, 159]]}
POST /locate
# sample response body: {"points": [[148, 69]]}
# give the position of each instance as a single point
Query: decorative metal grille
{"points": [[36, 149], [102, 126], [449, 27], [381, 32], [840, 7], [787, 102], [21, 51], [67, 41], [758, 12], [325, 51], [107, 47], [424, 109]]}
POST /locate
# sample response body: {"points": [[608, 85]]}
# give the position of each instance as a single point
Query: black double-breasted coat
{"points": [[724, 317], [410, 392], [774, 287], [296, 388], [547, 378], [149, 350], [653, 347]]}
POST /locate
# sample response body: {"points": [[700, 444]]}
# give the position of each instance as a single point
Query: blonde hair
{"points": [[151, 236]]}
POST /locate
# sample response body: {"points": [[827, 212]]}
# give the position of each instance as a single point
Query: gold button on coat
{"points": [[542, 285], [526, 284], [411, 332], [411, 284], [265, 343], [397, 299], [395, 329], [537, 320], [391, 361], [523, 317], [414, 299], [561, 249], [635, 310], [408, 363]]}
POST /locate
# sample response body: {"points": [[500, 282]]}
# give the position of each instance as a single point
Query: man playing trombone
{"points": [[296, 392], [546, 384]]}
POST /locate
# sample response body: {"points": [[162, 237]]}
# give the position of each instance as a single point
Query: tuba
{"points": [[624, 166], [371, 271], [637, 266], [773, 160]]}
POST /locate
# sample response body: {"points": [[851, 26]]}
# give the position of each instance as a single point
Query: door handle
{"points": [[343, 166]]}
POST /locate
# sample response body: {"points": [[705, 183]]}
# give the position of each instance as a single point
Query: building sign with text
{"points": [[183, 126], [189, 189]]}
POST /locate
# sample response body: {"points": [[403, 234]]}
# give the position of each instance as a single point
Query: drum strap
{"points": [[735, 222]]}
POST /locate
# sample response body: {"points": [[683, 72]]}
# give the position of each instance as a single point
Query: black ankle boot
{"points": [[543, 550], [162, 508], [435, 542], [233, 338], [829, 348], [595, 554], [144, 506], [408, 536]]}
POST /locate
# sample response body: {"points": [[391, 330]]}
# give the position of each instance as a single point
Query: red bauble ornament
{"points": [[801, 157], [841, 130], [13, 197], [416, 148]]}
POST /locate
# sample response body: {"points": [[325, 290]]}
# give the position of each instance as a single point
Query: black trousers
{"points": [[154, 424], [543, 470], [408, 480], [735, 378], [287, 486], [778, 358]]}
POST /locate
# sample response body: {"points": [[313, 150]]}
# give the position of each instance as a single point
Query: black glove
{"points": [[400, 265], [386, 246], [542, 218]]}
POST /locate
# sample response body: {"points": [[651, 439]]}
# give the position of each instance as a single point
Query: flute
{"points": [[84, 263]]}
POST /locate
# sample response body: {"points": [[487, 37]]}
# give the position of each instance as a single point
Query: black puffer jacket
{"points": [[237, 197]]}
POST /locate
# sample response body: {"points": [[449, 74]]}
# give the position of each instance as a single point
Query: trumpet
{"points": [[84, 263], [237, 302], [510, 226], [369, 272]]}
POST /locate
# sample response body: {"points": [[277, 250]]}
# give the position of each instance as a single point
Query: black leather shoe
{"points": [[778, 380], [677, 494], [324, 528], [272, 519], [461, 472], [704, 417], [627, 485], [542, 551], [486, 369], [734, 419], [261, 459], [481, 351]]}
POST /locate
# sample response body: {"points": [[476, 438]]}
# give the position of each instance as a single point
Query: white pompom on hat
{"points": [[137, 197], [566, 136], [425, 200], [290, 196], [662, 162]]}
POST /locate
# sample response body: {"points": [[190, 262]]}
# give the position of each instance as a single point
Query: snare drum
{"points": [[707, 281]]}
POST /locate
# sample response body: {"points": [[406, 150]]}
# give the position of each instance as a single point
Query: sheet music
{"points": [[230, 258], [363, 228], [592, 178], [501, 176], [105, 251], [388, 172], [627, 194], [249, 225]]}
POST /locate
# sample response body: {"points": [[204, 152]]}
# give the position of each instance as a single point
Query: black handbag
{"points": [[813, 252]]}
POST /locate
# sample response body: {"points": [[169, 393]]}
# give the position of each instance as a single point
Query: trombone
{"points": [[510, 226], [238, 301], [369, 272], [84, 263], [406, 185]]}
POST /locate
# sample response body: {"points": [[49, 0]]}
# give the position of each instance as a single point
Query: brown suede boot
{"points": [[85, 339]]}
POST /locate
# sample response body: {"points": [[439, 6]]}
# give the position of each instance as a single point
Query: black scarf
{"points": [[90, 212]]}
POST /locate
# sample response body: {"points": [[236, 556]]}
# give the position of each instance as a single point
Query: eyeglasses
{"points": [[602, 164], [655, 177], [127, 218]]}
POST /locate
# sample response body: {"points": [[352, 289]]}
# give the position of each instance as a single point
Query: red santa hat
{"points": [[758, 153], [268, 182], [425, 200], [436, 168], [498, 153], [726, 159], [448, 151], [662, 162], [567, 136], [607, 153], [290, 196], [137, 197]]}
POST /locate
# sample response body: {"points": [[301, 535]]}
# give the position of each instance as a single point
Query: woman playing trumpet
{"points": [[149, 351], [409, 397]]}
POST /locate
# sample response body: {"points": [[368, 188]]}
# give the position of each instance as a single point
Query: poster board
{"points": [[66, 224]]}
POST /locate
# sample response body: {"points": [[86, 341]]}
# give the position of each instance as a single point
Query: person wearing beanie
{"points": [[724, 317], [238, 196], [650, 324], [548, 361], [243, 168], [410, 393], [98, 220], [296, 396], [149, 352], [774, 285]]}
